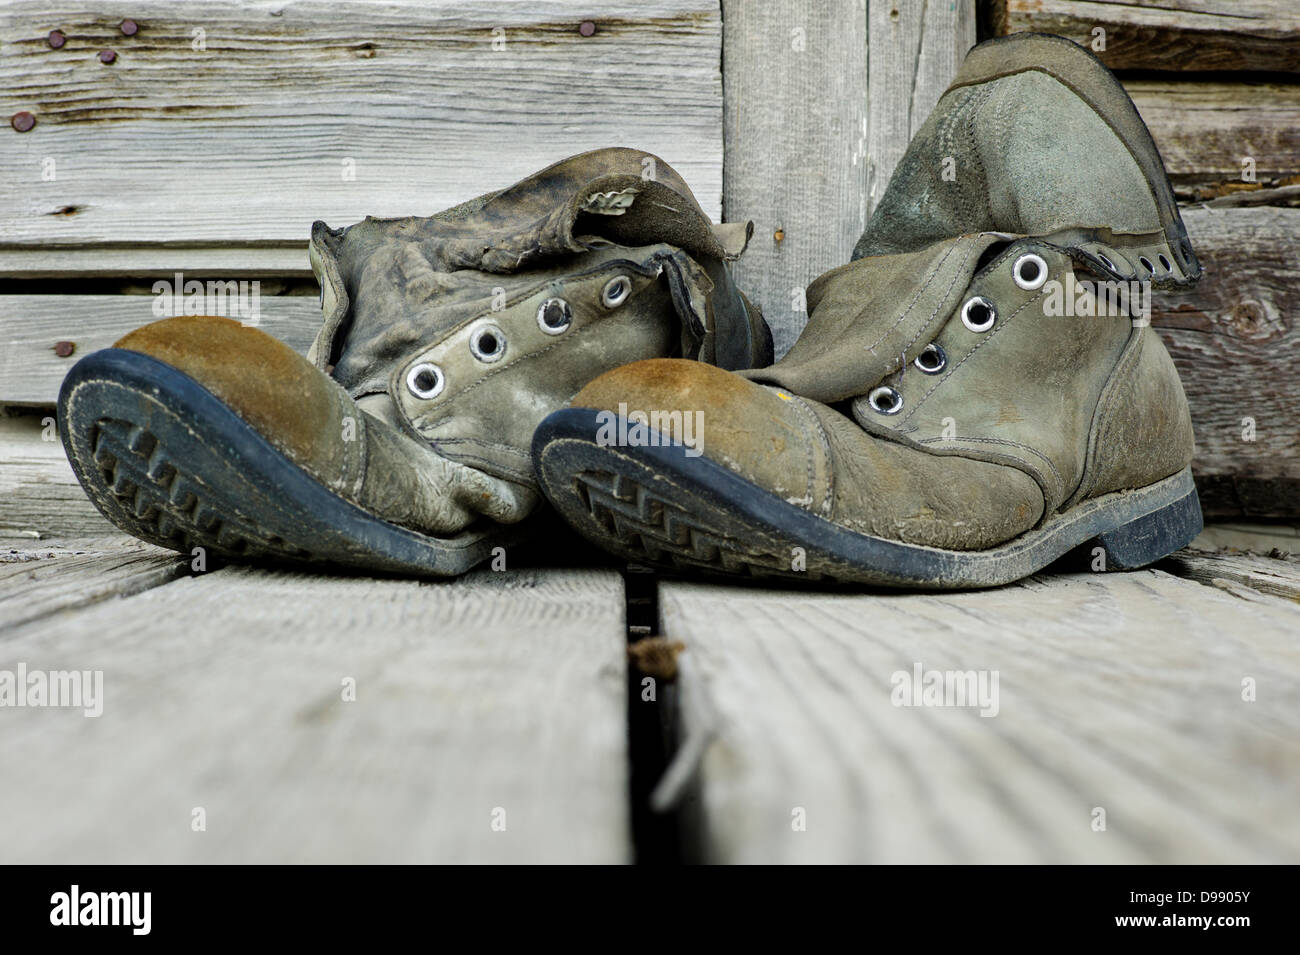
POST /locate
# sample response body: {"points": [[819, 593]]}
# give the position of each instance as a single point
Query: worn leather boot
{"points": [[401, 443], [957, 416], [1036, 136]]}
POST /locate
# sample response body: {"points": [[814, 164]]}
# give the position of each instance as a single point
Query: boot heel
{"points": [[1148, 538]]}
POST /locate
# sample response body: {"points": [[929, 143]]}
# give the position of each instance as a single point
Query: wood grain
{"points": [[795, 82], [499, 691], [154, 260], [37, 579], [1205, 130], [248, 141], [1121, 692], [1179, 35], [1276, 576], [30, 325], [1236, 343]]}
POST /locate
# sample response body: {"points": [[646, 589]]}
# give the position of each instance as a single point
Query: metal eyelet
{"points": [[1165, 263], [1030, 271], [885, 400], [616, 291], [932, 360], [978, 314], [554, 316], [425, 381], [487, 343], [1146, 264]]}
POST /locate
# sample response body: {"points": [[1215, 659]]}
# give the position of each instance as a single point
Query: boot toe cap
{"points": [[273, 388]]}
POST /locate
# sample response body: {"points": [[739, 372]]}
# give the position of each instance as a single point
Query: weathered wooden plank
{"points": [[1212, 136], [1236, 345], [146, 259], [796, 154], [1275, 539], [1120, 692], [916, 49], [39, 495], [302, 109], [1277, 576], [498, 698], [31, 325], [36, 581], [1165, 34]]}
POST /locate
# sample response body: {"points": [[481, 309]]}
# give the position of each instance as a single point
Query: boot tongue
{"points": [[869, 317]]}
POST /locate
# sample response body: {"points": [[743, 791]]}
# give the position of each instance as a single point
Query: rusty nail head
{"points": [[107, 56], [779, 235], [56, 39], [22, 121], [130, 27], [64, 349], [587, 28]]}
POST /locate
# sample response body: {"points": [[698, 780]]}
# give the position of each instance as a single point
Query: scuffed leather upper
{"points": [[1026, 417], [400, 295], [1035, 136]]}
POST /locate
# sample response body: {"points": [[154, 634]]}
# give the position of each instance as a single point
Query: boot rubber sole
{"points": [[654, 504], [1079, 69], [170, 463]]}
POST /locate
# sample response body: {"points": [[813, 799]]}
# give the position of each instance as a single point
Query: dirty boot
{"points": [[1036, 137], [401, 443], [957, 416]]}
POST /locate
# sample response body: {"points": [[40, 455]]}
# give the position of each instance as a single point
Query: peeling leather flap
{"points": [[872, 315], [691, 288], [334, 301]]}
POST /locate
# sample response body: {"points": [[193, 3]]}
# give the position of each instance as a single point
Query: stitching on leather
{"points": [[921, 291], [973, 148], [825, 507], [478, 442], [522, 476], [987, 338], [961, 269], [1039, 478], [1015, 444], [810, 468], [1121, 375], [449, 412]]}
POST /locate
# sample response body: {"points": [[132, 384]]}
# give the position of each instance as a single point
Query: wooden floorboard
{"points": [[38, 580], [1275, 576], [1120, 692], [494, 700]]}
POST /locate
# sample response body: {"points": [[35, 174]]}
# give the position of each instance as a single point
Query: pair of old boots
{"points": [[975, 394]]}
